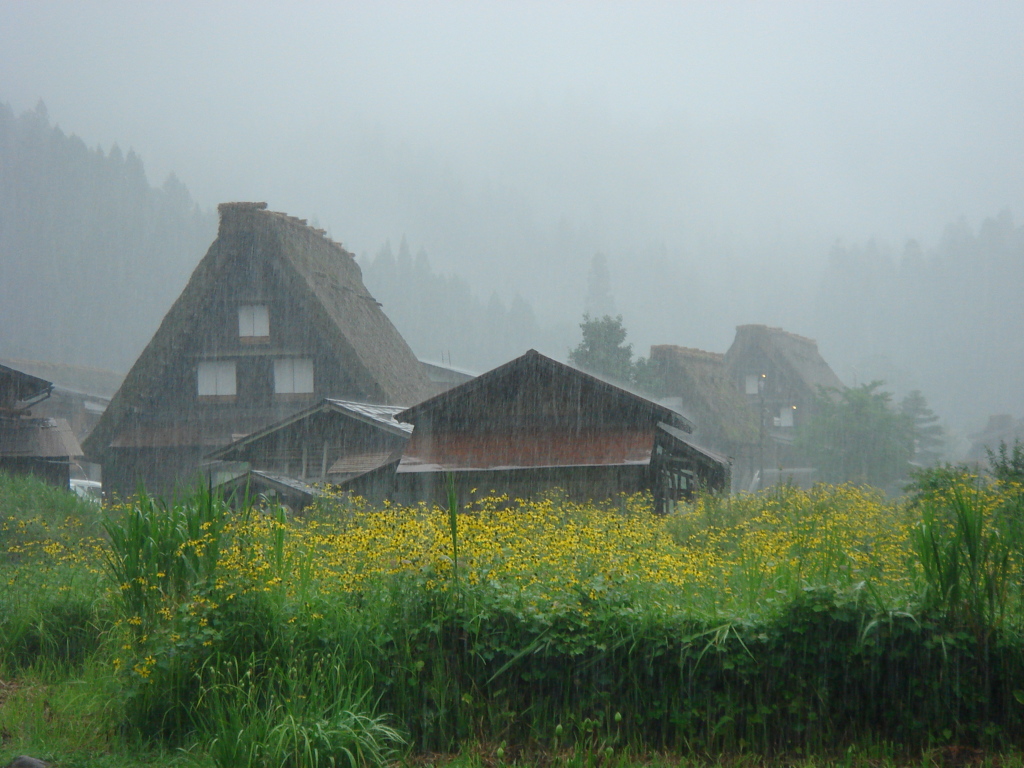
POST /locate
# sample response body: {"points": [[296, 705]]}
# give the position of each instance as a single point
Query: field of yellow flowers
{"points": [[783, 620]]}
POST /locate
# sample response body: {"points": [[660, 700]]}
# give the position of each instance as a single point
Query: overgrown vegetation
{"points": [[857, 436], [782, 623]]}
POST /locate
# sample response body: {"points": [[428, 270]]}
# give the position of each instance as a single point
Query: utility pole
{"points": [[760, 472]]}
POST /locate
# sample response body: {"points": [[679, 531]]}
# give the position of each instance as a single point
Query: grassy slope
{"points": [[66, 708]]}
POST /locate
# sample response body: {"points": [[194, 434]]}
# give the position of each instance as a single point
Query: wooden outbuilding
{"points": [[534, 425], [274, 319], [32, 445], [336, 442]]}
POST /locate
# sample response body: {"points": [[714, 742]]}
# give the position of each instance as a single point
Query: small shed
{"points": [[535, 424], [335, 442], [43, 447], [280, 489]]}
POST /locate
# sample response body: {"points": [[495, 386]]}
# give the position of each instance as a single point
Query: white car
{"points": [[90, 490]]}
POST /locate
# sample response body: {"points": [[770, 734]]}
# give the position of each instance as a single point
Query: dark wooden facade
{"points": [[274, 319], [534, 425], [31, 445], [335, 442]]}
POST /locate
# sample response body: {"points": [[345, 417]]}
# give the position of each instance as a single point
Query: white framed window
{"points": [[786, 416], [216, 378], [253, 321], [293, 376], [753, 383]]}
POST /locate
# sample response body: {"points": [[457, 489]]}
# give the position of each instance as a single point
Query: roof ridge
{"points": [[776, 330], [692, 352]]}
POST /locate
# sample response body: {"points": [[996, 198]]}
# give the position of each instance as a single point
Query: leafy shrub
{"points": [[294, 716], [63, 634]]}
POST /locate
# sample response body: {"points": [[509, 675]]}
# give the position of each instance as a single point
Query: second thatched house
{"points": [[781, 375], [696, 383], [274, 318]]}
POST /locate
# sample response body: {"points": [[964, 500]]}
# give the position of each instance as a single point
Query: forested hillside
{"points": [[444, 321], [947, 320], [91, 255]]}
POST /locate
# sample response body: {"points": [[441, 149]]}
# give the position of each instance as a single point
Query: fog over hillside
{"points": [[841, 170]]}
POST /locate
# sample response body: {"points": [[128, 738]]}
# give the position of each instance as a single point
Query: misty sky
{"points": [[719, 148]]}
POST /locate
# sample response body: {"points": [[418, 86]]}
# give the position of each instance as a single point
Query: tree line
{"points": [[944, 319], [441, 317], [91, 255]]}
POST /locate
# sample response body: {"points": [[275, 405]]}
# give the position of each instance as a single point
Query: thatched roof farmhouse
{"points": [[274, 318], [698, 380], [791, 367], [781, 374]]}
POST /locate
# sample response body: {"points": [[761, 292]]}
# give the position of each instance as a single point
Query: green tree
{"points": [[927, 432], [857, 436], [603, 349], [1007, 463]]}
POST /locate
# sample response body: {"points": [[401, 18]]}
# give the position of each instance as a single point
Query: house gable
{"points": [[534, 391], [333, 441]]}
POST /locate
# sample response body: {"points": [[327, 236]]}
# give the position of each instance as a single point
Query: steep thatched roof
{"points": [[312, 268], [797, 354], [708, 394]]}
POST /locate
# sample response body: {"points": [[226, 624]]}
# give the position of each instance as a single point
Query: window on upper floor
{"points": [[216, 378], [754, 383], [786, 416], [293, 376], [253, 323]]}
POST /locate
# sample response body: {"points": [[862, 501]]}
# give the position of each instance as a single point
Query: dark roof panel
{"points": [[533, 367], [17, 386], [40, 438]]}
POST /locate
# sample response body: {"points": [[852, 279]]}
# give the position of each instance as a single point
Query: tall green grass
{"points": [[51, 600], [161, 550], [297, 715], [969, 546], [235, 642]]}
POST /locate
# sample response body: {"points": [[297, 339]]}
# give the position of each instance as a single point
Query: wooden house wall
{"points": [[578, 483], [299, 450], [165, 471], [53, 470]]}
